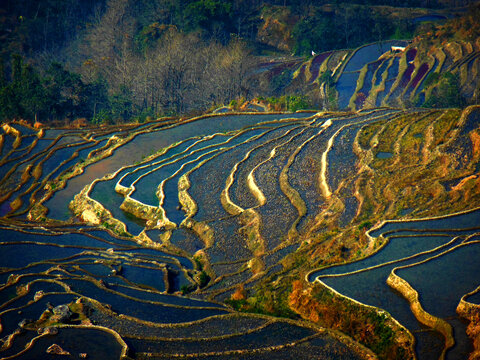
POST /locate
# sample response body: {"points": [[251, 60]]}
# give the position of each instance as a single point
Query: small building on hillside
{"points": [[398, 48]]}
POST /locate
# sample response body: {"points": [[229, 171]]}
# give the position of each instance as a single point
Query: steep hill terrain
{"points": [[438, 68], [265, 229], [124, 59], [239, 209]]}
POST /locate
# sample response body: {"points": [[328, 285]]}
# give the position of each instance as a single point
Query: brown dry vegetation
{"points": [[406, 180], [368, 326], [473, 332]]}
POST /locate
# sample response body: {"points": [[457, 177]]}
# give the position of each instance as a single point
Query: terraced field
{"points": [[388, 73], [168, 239], [421, 261]]}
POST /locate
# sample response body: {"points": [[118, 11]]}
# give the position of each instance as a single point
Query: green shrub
{"points": [[144, 115], [383, 331], [295, 103], [290, 102], [446, 92], [102, 117], [236, 304], [365, 225], [431, 78], [187, 289], [204, 278], [198, 263]]}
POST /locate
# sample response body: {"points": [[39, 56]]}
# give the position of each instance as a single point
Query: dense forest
{"points": [[108, 60]]}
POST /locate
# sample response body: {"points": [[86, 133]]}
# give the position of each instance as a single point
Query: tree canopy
{"points": [[109, 60]]}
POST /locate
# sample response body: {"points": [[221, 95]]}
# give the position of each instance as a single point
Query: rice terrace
{"points": [[267, 194]]}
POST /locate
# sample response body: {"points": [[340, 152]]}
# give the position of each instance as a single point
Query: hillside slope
{"points": [[439, 68]]}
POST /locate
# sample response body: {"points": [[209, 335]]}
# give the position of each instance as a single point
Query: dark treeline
{"points": [[59, 94], [109, 60], [31, 27], [45, 25], [120, 59], [347, 26]]}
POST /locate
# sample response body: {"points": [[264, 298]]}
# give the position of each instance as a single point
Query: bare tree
{"points": [[176, 73], [107, 46]]}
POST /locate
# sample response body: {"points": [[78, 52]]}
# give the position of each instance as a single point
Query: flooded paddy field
{"points": [[183, 238], [427, 257]]}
